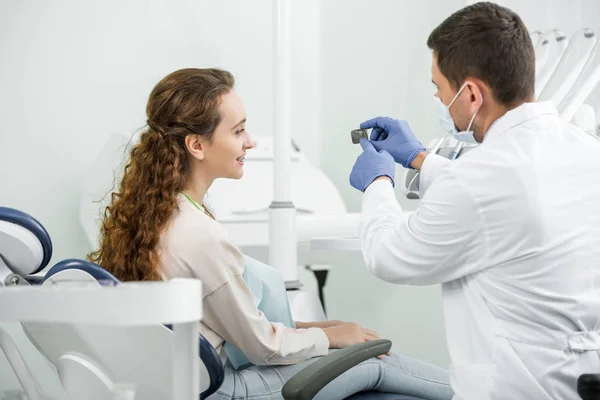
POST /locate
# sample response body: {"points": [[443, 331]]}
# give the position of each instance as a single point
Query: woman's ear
{"points": [[196, 146]]}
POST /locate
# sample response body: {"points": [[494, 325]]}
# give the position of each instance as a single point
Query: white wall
{"points": [[74, 72]]}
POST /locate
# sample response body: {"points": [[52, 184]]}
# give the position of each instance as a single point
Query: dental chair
{"points": [[87, 363], [304, 385], [91, 360]]}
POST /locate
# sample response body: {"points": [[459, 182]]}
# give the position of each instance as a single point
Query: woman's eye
{"points": [[240, 131]]}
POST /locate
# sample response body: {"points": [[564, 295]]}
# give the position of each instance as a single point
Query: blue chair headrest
{"points": [[28, 222], [94, 270]]}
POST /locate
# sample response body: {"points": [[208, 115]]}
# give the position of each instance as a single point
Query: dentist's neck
{"points": [[497, 111], [492, 115], [198, 184]]}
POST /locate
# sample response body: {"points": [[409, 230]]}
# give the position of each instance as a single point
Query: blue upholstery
{"points": [[210, 358], [28, 222], [94, 270], [213, 365]]}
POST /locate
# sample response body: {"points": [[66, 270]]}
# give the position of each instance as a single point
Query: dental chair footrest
{"points": [[308, 382]]}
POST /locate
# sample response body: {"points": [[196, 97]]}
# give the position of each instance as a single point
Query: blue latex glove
{"points": [[370, 165], [395, 137]]}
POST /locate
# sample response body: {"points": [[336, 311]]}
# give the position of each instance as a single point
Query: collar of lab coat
{"points": [[519, 115]]}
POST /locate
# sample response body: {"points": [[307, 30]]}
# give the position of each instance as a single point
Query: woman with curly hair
{"points": [[157, 228]]}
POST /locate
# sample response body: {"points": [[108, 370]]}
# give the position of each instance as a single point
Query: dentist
{"points": [[511, 229]]}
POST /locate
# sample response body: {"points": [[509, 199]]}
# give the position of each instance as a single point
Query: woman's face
{"points": [[224, 154]]}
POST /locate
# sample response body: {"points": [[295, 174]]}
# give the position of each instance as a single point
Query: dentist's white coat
{"points": [[512, 231]]}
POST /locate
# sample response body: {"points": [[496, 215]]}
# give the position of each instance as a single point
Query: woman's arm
{"points": [[230, 312], [318, 324]]}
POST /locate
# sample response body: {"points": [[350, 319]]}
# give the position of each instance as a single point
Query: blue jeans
{"points": [[393, 374]]}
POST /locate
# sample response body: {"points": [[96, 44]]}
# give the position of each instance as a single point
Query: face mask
{"points": [[447, 122]]}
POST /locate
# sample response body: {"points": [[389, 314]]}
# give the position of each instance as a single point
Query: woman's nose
{"points": [[249, 144]]}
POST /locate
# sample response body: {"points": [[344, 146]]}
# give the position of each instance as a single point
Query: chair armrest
{"points": [[308, 382]]}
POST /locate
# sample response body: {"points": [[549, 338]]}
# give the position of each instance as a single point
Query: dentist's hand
{"points": [[395, 137], [370, 165]]}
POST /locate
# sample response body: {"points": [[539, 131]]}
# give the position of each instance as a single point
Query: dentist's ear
{"points": [[475, 92], [196, 146]]}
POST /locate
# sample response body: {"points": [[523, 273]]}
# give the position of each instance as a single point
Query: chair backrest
{"points": [[25, 246], [100, 356]]}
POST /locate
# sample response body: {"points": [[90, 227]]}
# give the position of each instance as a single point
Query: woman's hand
{"points": [[344, 335], [349, 333]]}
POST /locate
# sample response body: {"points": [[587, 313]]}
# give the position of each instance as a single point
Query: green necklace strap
{"points": [[192, 201]]}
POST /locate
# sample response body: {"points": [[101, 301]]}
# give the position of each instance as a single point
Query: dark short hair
{"points": [[488, 42]]}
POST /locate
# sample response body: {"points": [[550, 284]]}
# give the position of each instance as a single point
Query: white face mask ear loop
{"points": [[471, 122], [456, 96]]}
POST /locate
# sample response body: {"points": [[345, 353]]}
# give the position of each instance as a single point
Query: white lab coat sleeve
{"points": [[430, 170], [440, 241]]}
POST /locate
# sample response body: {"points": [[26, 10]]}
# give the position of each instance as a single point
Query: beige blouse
{"points": [[196, 246]]}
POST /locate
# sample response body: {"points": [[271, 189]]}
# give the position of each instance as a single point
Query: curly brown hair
{"points": [[186, 102]]}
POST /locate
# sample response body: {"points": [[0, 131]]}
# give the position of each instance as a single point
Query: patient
{"points": [[157, 228]]}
